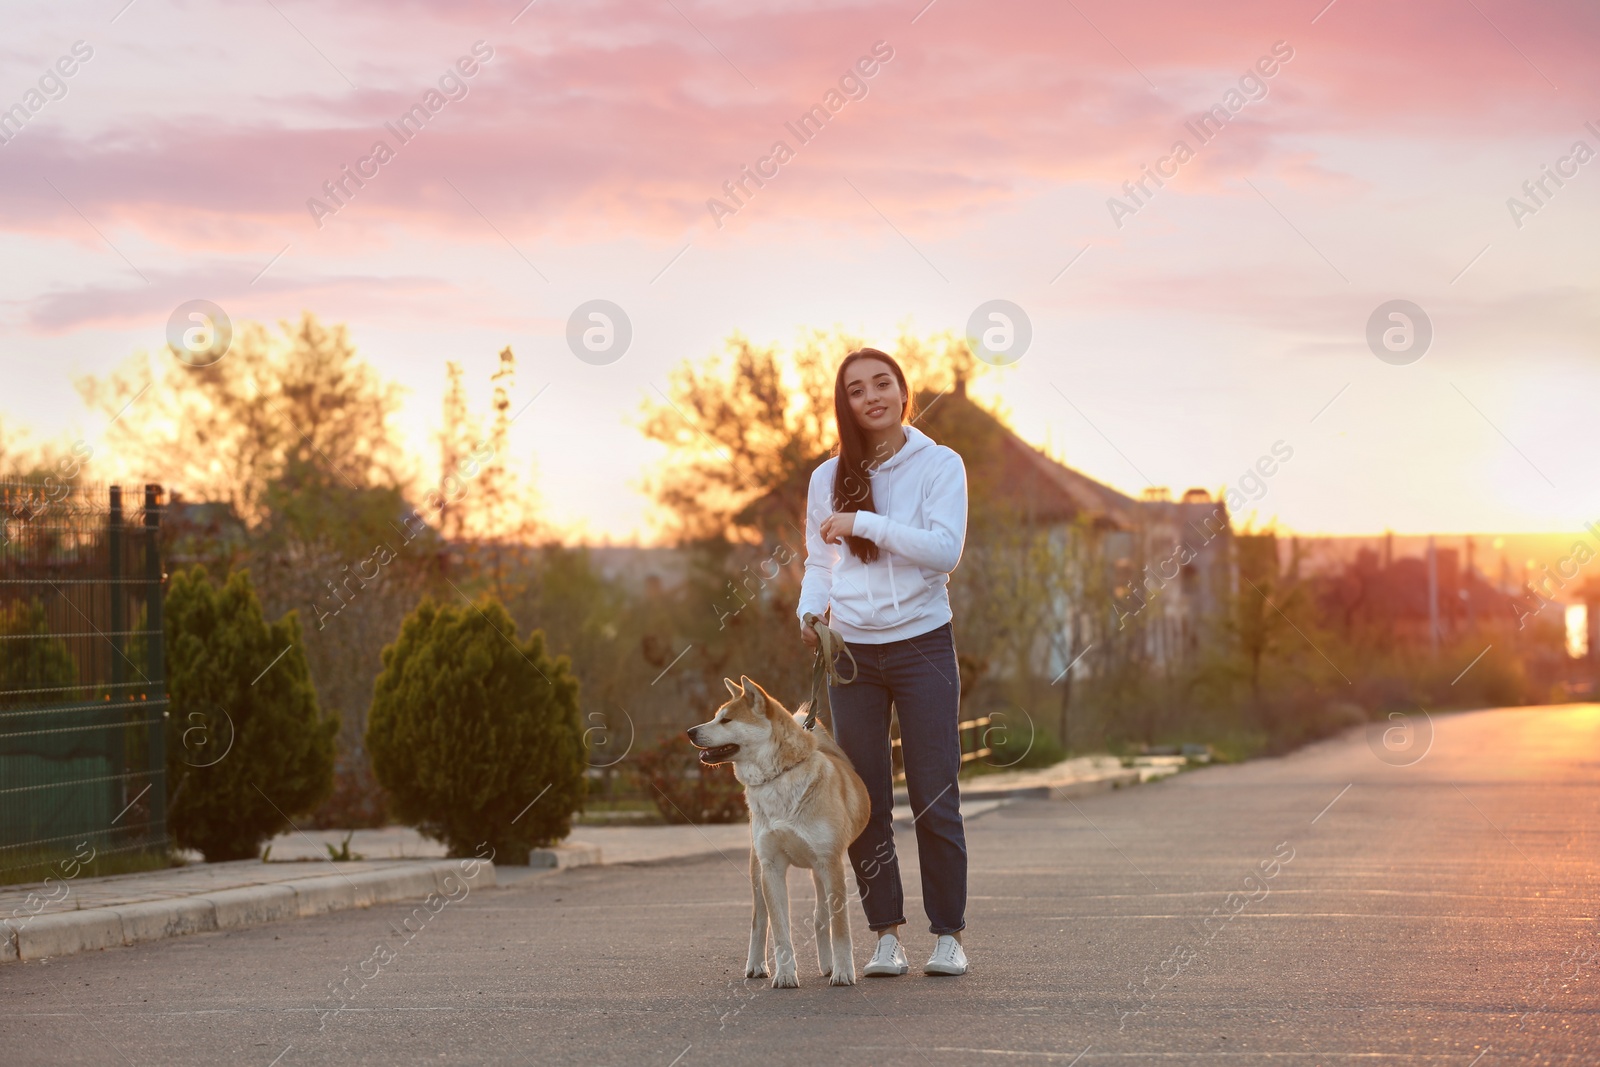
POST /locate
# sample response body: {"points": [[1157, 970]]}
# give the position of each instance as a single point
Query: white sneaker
{"points": [[888, 959], [948, 957]]}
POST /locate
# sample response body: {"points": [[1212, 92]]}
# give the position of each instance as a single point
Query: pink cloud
{"points": [[147, 307], [591, 121]]}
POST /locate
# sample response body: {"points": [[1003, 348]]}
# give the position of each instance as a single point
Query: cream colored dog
{"points": [[807, 804]]}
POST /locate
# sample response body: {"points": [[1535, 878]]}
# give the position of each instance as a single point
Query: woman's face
{"points": [[874, 395]]}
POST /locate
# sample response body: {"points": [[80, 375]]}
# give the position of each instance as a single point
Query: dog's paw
{"points": [[843, 976], [785, 980], [756, 970]]}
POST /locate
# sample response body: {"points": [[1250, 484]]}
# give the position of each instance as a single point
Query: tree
{"points": [[235, 677], [457, 439], [475, 735], [746, 423], [505, 504], [291, 432], [1260, 625], [302, 409]]}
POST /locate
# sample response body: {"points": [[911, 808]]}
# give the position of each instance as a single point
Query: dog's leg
{"points": [[819, 924], [775, 884], [844, 961], [756, 963]]}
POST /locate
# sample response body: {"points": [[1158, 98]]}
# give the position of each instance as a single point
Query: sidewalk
{"points": [[615, 844], [400, 864], [126, 909], [77, 915]]}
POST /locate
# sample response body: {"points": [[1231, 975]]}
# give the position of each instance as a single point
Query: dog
{"points": [[807, 804]]}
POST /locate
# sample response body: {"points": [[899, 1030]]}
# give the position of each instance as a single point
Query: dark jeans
{"points": [[918, 676]]}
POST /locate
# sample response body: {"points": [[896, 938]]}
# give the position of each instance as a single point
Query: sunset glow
{"points": [[1198, 210]]}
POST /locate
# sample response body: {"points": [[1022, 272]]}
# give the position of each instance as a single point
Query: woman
{"points": [[885, 521]]}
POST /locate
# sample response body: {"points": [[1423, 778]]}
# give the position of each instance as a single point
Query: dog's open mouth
{"points": [[719, 754]]}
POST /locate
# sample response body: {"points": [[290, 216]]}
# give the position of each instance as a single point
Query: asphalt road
{"points": [[1438, 913]]}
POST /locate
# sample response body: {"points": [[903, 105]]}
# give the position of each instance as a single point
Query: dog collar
{"points": [[781, 773]]}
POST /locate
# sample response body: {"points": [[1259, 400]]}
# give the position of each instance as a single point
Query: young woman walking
{"points": [[885, 522]]}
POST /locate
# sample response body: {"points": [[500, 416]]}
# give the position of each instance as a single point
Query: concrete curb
{"points": [[68, 932], [564, 855], [1083, 786], [1088, 787]]}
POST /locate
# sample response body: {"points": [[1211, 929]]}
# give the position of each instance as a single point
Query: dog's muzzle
{"points": [[719, 754], [712, 754]]}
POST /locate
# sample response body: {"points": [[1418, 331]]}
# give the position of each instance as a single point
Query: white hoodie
{"points": [[920, 524]]}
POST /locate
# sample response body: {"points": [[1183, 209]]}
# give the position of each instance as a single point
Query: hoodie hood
{"points": [[916, 441]]}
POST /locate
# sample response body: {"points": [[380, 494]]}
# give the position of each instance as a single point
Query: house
{"points": [[1164, 568]]}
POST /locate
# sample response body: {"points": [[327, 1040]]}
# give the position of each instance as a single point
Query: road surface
{"points": [[1325, 908]]}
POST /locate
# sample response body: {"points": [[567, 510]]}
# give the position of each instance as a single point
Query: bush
{"points": [[32, 659], [1017, 743], [686, 790], [225, 667], [476, 737]]}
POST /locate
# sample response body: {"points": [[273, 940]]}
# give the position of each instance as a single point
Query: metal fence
{"points": [[82, 677]]}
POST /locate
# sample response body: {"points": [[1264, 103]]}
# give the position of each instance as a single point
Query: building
{"points": [[1161, 568]]}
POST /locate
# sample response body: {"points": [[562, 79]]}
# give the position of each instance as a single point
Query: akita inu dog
{"points": [[807, 804]]}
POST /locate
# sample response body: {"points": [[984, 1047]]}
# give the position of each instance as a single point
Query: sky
{"points": [[1360, 153]]}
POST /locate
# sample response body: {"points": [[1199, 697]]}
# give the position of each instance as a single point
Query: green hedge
{"points": [[475, 735], [240, 686]]}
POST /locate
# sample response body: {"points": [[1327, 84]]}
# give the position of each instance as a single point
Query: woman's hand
{"points": [[836, 527], [809, 636]]}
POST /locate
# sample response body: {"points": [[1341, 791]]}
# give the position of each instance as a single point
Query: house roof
{"points": [[1010, 469], [1073, 491]]}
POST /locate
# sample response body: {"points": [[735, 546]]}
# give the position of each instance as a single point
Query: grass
{"points": [[641, 803], [342, 854], [1238, 747], [979, 767], [618, 811], [35, 865]]}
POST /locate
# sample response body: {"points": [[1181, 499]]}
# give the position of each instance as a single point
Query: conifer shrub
{"points": [[248, 747], [32, 659], [475, 735]]}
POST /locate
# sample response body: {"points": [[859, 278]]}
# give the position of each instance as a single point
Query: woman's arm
{"points": [[817, 585], [945, 507]]}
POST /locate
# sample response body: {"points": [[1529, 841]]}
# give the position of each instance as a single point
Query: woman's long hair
{"points": [[852, 479]]}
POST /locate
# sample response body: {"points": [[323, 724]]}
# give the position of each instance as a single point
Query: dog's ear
{"points": [[733, 688], [757, 695]]}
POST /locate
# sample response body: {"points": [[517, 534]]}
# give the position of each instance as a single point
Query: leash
{"points": [[823, 669]]}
